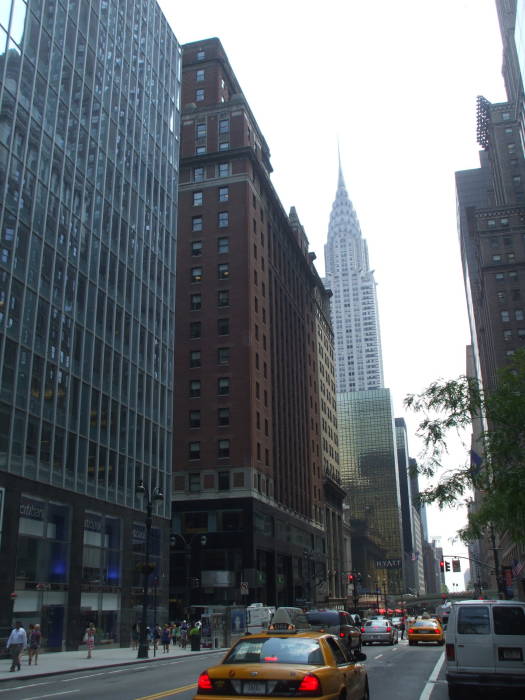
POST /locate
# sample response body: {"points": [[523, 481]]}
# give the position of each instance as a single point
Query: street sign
{"points": [[245, 589]]}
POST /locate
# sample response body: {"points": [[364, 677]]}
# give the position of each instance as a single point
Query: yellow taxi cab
{"points": [[287, 660], [425, 630]]}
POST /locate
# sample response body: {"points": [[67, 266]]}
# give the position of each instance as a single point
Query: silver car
{"points": [[380, 631]]}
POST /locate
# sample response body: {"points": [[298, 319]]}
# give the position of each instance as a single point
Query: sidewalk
{"points": [[71, 661]]}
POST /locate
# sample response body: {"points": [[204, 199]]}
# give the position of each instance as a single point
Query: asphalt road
{"points": [[395, 673]]}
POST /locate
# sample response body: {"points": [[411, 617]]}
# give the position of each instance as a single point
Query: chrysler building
{"points": [[354, 301]]}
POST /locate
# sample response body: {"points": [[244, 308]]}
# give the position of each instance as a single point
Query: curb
{"points": [[80, 669]]}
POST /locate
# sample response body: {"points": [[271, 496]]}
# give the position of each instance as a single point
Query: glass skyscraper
{"points": [[369, 468], [89, 123]]}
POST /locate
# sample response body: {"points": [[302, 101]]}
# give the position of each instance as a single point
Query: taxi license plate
{"points": [[510, 654], [254, 688]]}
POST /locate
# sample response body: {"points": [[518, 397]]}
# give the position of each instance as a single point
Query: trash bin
{"points": [[195, 642]]}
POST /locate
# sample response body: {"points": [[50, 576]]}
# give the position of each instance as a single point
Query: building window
{"points": [[223, 271], [195, 419], [496, 258], [195, 358], [521, 333], [511, 148], [195, 302], [224, 169], [195, 388], [195, 329], [223, 386], [196, 274], [194, 483], [223, 245], [507, 335], [196, 247], [223, 449], [194, 450], [196, 223], [504, 222], [224, 145], [511, 257], [199, 75], [505, 317], [500, 275], [518, 314], [491, 223], [223, 297], [224, 126], [200, 131], [223, 326], [223, 356], [197, 199], [223, 219], [198, 174], [199, 95], [223, 417], [200, 150], [505, 116], [224, 481], [224, 194], [501, 296], [201, 55]]}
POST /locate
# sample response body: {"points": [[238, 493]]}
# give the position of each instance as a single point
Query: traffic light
{"points": [[442, 566], [447, 566], [350, 578], [456, 566]]}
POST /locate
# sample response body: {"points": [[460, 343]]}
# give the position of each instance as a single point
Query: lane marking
{"points": [[165, 693], [430, 684], [21, 687], [53, 695], [378, 656]]}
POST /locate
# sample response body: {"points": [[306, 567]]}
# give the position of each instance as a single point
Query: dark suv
{"points": [[336, 622]]}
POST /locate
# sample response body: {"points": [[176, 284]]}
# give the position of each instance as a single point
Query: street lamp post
{"points": [[187, 544], [147, 567]]}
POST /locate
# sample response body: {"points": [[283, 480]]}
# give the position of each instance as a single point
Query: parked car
{"points": [[336, 622], [485, 646], [287, 662], [380, 632], [425, 631]]}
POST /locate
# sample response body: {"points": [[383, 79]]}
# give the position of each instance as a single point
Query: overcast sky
{"points": [[396, 84]]}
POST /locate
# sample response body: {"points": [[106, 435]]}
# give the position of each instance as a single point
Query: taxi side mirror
{"points": [[358, 656]]}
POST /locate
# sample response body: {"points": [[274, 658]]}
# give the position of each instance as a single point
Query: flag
{"points": [[475, 463], [517, 568]]}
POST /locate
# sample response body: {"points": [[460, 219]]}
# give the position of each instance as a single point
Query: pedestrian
{"points": [[156, 637], [184, 634], [175, 631], [134, 635], [89, 638], [165, 638], [16, 644], [35, 638], [402, 628]]}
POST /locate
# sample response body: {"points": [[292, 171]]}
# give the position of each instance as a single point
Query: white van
{"points": [[485, 645], [258, 617]]}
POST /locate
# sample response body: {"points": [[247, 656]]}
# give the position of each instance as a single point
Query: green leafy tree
{"points": [[448, 407]]}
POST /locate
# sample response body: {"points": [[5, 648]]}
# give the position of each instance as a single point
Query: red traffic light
{"points": [[442, 565], [350, 578]]}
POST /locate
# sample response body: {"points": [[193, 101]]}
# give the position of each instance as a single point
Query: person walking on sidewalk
{"points": [[165, 638], [89, 638], [35, 637], [16, 644]]}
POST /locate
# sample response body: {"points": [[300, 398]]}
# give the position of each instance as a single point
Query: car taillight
{"points": [[411, 630], [309, 684], [204, 682], [451, 652], [341, 634], [362, 629], [389, 629], [436, 631]]}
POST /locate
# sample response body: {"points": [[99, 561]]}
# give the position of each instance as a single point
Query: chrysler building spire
{"points": [[354, 302]]}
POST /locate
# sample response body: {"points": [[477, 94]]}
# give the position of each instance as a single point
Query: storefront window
{"points": [[101, 553]]}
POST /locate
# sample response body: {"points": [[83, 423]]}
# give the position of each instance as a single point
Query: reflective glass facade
{"points": [[369, 469], [89, 122]]}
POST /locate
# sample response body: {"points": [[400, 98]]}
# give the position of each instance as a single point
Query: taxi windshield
{"points": [[276, 650], [425, 623]]}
